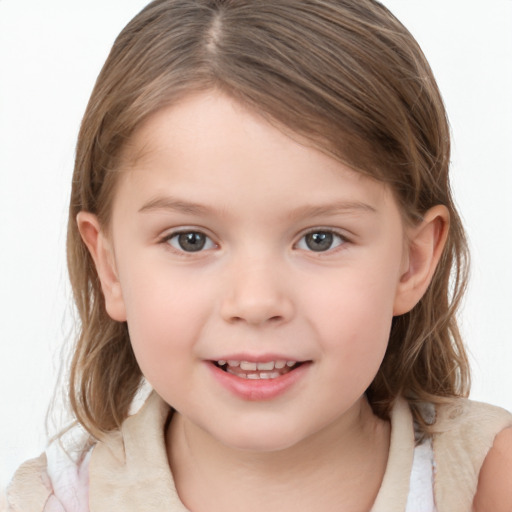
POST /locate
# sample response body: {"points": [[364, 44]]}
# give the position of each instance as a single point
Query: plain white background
{"points": [[50, 55]]}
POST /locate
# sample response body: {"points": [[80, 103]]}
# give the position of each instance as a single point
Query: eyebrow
{"points": [[332, 209], [171, 203], [187, 207]]}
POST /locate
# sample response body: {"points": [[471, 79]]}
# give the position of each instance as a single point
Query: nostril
{"points": [[255, 319]]}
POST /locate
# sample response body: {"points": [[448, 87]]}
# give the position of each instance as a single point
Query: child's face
{"points": [[233, 242]]}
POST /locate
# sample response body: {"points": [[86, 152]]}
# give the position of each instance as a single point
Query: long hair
{"points": [[344, 74]]}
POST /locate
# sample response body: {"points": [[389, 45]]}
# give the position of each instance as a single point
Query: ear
{"points": [[101, 251], [425, 244]]}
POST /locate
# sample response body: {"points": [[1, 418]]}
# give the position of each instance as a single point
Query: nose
{"points": [[257, 295]]}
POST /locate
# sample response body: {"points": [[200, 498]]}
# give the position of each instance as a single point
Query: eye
{"points": [[320, 241], [189, 241]]}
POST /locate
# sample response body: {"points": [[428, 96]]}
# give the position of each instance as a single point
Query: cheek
{"points": [[353, 320], [164, 317], [357, 304]]}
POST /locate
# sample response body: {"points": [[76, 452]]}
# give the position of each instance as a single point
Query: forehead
{"points": [[208, 145]]}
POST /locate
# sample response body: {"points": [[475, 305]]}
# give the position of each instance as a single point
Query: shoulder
{"points": [[470, 426], [495, 481], [465, 433], [30, 487], [56, 481], [462, 413]]}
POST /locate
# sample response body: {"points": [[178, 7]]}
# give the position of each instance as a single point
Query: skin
{"points": [[258, 291], [495, 481]]}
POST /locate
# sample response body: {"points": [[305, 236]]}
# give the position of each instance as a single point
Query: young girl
{"points": [[261, 228]]}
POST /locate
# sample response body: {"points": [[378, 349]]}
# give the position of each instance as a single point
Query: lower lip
{"points": [[258, 389]]}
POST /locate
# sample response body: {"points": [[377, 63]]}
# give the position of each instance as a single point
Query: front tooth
{"points": [[280, 364], [253, 376], [248, 366], [266, 366], [233, 363]]}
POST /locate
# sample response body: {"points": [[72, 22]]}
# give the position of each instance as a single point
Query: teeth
{"points": [[248, 366], [252, 366], [255, 376], [241, 375]]}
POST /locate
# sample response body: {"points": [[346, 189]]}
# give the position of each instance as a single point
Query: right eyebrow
{"points": [[176, 205]]}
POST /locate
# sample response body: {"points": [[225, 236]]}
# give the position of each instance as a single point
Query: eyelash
{"points": [[208, 243]]}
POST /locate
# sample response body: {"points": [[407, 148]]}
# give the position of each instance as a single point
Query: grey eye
{"points": [[320, 241], [190, 241]]}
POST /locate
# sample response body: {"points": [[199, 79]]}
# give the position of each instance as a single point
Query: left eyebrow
{"points": [[174, 204], [344, 207]]}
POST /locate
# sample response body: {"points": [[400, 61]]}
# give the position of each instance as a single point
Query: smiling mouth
{"points": [[257, 371]]}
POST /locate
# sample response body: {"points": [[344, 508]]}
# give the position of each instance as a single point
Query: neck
{"points": [[340, 467]]}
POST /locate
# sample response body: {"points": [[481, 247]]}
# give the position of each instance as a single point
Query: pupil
{"points": [[191, 242], [320, 241]]}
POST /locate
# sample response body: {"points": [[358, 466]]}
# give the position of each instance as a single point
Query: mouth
{"points": [[251, 370]]}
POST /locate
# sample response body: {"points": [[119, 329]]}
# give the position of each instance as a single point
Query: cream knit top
{"points": [[129, 471]]}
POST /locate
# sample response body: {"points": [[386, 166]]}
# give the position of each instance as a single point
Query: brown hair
{"points": [[347, 76]]}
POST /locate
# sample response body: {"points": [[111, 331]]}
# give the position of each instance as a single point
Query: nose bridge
{"points": [[256, 291]]}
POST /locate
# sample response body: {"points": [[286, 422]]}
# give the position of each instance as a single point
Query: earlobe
{"points": [[425, 246], [101, 252]]}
